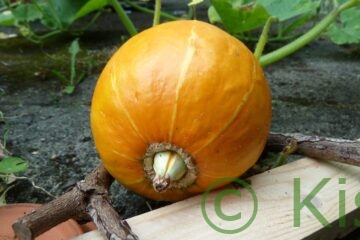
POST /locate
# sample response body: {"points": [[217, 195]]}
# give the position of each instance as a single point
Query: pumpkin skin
{"points": [[187, 83]]}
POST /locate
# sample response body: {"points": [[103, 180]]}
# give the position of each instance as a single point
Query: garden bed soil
{"points": [[315, 92]]}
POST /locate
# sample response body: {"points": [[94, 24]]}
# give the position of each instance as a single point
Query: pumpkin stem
{"points": [[168, 166]]}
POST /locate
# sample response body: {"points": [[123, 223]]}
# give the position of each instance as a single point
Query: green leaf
{"points": [[286, 9], [348, 30], [297, 22], [7, 18], [213, 15], [69, 89], [10, 165], [237, 17], [90, 6], [26, 12], [59, 14], [74, 48]]}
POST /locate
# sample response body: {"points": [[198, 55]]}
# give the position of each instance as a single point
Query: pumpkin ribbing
{"points": [[189, 84]]}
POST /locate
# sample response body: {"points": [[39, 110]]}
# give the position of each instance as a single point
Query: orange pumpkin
{"points": [[179, 106]]}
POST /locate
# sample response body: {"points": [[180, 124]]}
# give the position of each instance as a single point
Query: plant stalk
{"points": [[306, 37], [157, 12], [263, 38], [124, 17]]}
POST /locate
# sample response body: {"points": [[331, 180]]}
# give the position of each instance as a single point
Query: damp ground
{"points": [[316, 91]]}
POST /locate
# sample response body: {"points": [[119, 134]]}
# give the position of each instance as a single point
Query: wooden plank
{"points": [[275, 216]]}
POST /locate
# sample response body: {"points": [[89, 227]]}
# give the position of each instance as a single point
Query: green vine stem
{"points": [[263, 37], [150, 11], [308, 36], [157, 12], [124, 17]]}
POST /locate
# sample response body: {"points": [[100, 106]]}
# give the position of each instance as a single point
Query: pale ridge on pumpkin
{"points": [[124, 155], [236, 112], [192, 90], [114, 86], [189, 54]]}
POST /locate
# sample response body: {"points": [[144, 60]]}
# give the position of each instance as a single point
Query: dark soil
{"points": [[315, 91]]}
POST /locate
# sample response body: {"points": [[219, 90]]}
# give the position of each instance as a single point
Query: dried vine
{"points": [[321, 148], [89, 199]]}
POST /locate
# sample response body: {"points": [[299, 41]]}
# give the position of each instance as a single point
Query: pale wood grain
{"points": [[274, 219]]}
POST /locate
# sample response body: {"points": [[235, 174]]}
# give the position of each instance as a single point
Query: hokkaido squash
{"points": [[179, 106]]}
